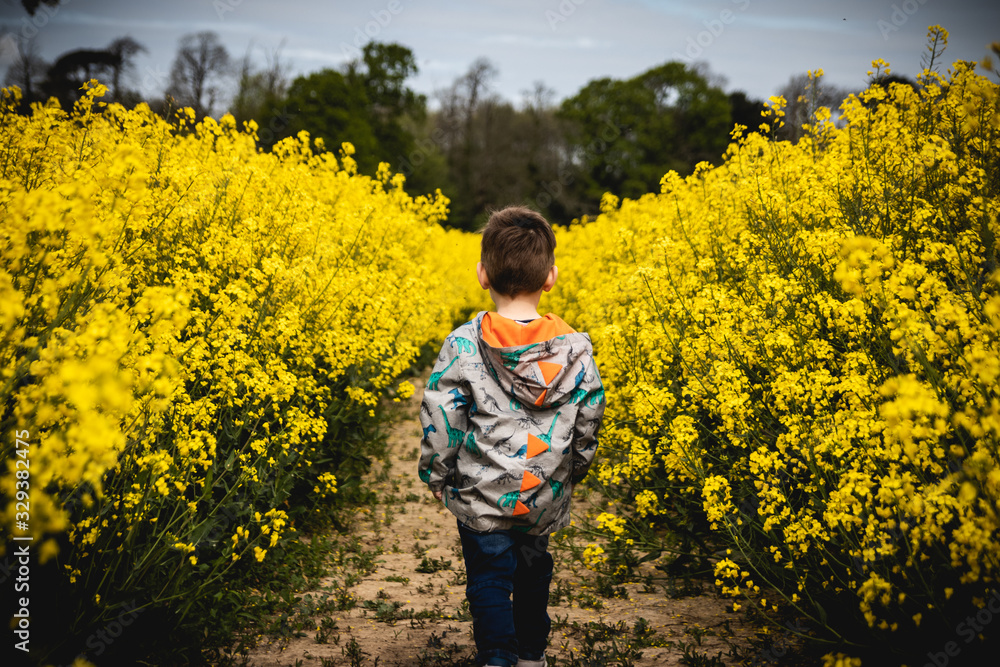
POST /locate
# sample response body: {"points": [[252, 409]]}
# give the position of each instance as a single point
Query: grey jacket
{"points": [[508, 429]]}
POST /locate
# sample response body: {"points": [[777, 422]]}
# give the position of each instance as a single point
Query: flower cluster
{"points": [[801, 349], [195, 332]]}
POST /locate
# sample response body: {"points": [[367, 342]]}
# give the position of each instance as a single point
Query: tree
{"points": [[260, 91], [498, 154], [624, 135], [367, 104], [199, 68], [123, 50], [27, 72], [468, 100], [73, 69], [381, 74], [547, 169], [382, 71], [64, 78], [31, 6], [425, 166], [746, 111], [803, 96], [325, 105], [603, 123]]}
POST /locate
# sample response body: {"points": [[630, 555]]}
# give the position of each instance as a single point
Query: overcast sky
{"points": [[756, 45]]}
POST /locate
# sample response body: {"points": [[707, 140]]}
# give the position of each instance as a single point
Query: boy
{"points": [[510, 417]]}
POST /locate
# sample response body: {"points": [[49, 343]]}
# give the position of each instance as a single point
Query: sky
{"points": [[754, 45]]}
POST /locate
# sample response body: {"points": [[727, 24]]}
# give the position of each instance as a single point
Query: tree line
{"points": [[482, 151]]}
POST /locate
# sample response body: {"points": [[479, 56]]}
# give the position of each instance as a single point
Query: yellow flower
{"points": [[175, 327], [405, 389], [802, 344]]}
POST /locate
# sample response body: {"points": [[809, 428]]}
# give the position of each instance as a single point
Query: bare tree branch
{"points": [[200, 66]]}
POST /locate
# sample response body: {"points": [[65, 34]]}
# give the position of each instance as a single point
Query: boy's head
{"points": [[517, 250]]}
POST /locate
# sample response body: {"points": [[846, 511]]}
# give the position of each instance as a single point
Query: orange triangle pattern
{"points": [[535, 446], [520, 508], [549, 369], [529, 481], [541, 397]]}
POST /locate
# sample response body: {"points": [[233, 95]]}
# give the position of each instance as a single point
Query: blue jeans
{"points": [[497, 565]]}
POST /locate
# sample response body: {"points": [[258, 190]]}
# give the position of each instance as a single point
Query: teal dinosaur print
{"points": [[557, 488], [425, 474], [512, 359], [576, 395], [508, 499], [460, 399], [455, 436], [514, 403], [596, 397], [547, 438], [435, 378], [464, 344], [493, 373], [524, 529], [471, 446]]}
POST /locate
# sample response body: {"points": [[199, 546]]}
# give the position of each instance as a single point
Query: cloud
{"points": [[582, 43], [315, 55], [133, 24]]}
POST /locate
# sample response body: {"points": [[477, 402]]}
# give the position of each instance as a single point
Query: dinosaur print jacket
{"points": [[510, 417]]}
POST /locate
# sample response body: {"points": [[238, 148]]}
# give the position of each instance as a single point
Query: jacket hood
{"points": [[540, 364]]}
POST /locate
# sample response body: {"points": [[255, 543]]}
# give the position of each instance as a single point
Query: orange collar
{"points": [[500, 331]]}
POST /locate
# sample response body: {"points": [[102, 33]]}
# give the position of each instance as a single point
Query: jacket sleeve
{"points": [[588, 424], [444, 417]]}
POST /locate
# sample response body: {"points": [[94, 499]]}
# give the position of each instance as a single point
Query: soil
{"points": [[410, 608]]}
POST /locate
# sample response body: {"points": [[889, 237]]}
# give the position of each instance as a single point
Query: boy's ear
{"points": [[550, 281], [484, 280]]}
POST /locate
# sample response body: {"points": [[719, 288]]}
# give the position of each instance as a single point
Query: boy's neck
{"points": [[520, 307]]}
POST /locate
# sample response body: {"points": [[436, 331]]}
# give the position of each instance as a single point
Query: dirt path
{"points": [[396, 594]]}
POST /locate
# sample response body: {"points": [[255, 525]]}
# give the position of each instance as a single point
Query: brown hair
{"points": [[517, 250]]}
